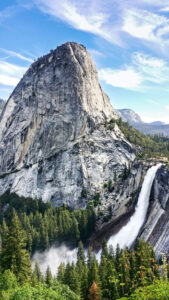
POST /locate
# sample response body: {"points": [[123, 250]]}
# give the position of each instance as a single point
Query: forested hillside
{"points": [[44, 224], [120, 273], [156, 146]]}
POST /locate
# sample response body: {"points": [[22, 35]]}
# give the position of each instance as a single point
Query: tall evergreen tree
{"points": [[61, 273], [80, 253], [14, 255], [48, 277]]}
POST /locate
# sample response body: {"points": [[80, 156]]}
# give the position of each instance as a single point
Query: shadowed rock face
{"points": [[2, 103], [53, 142], [156, 228]]}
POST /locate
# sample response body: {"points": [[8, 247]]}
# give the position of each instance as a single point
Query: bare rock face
{"points": [[53, 142], [156, 228], [2, 103]]}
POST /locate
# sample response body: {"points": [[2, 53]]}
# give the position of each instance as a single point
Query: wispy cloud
{"points": [[143, 24], [145, 71], [10, 74], [116, 20], [126, 77], [15, 54], [90, 16]]}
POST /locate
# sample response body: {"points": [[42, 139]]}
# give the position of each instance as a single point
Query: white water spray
{"points": [[125, 237], [54, 257]]}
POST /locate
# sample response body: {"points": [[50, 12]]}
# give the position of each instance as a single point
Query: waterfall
{"points": [[127, 235]]}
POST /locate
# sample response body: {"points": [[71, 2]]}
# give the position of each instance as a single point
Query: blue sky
{"points": [[128, 40]]}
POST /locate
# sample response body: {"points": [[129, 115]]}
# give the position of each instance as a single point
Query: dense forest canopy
{"points": [[120, 274]]}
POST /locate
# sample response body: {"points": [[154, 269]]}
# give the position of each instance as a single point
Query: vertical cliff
{"points": [[53, 141], [156, 228]]}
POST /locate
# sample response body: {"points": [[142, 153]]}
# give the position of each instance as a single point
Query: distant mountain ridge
{"points": [[157, 127]]}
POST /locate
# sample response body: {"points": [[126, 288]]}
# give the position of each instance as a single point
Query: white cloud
{"points": [[151, 68], [95, 52], [10, 74], [15, 54], [156, 116], [114, 20], [144, 72], [126, 78], [146, 25], [90, 16], [167, 107], [148, 60], [165, 9]]}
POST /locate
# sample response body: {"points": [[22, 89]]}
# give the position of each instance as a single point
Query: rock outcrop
{"points": [[53, 141], [2, 103], [156, 228], [130, 116]]}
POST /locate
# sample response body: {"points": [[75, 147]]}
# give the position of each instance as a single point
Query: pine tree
{"points": [[4, 233], [61, 273], [104, 249], [80, 253], [14, 255], [84, 280], [75, 230], [93, 271], [48, 277], [74, 280], [93, 292], [38, 272]]}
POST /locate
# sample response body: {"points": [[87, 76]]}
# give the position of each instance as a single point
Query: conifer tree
{"points": [[14, 255], [93, 271], [38, 272], [48, 277], [83, 280], [4, 233], [80, 253], [104, 249], [93, 292], [74, 280], [61, 273]]}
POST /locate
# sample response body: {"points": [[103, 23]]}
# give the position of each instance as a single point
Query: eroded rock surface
{"points": [[156, 228], [53, 142]]}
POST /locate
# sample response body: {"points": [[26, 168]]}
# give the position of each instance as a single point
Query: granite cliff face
{"points": [[2, 103], [156, 228], [53, 142]]}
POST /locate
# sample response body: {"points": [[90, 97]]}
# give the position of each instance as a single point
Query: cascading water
{"points": [[125, 237]]}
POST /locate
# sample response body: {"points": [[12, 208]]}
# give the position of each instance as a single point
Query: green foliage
{"points": [[10, 290], [14, 256], [159, 290], [84, 193], [97, 200], [148, 146], [48, 277], [119, 274], [45, 224]]}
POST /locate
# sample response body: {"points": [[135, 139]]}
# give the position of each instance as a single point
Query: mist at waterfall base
{"points": [[54, 257], [125, 237]]}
